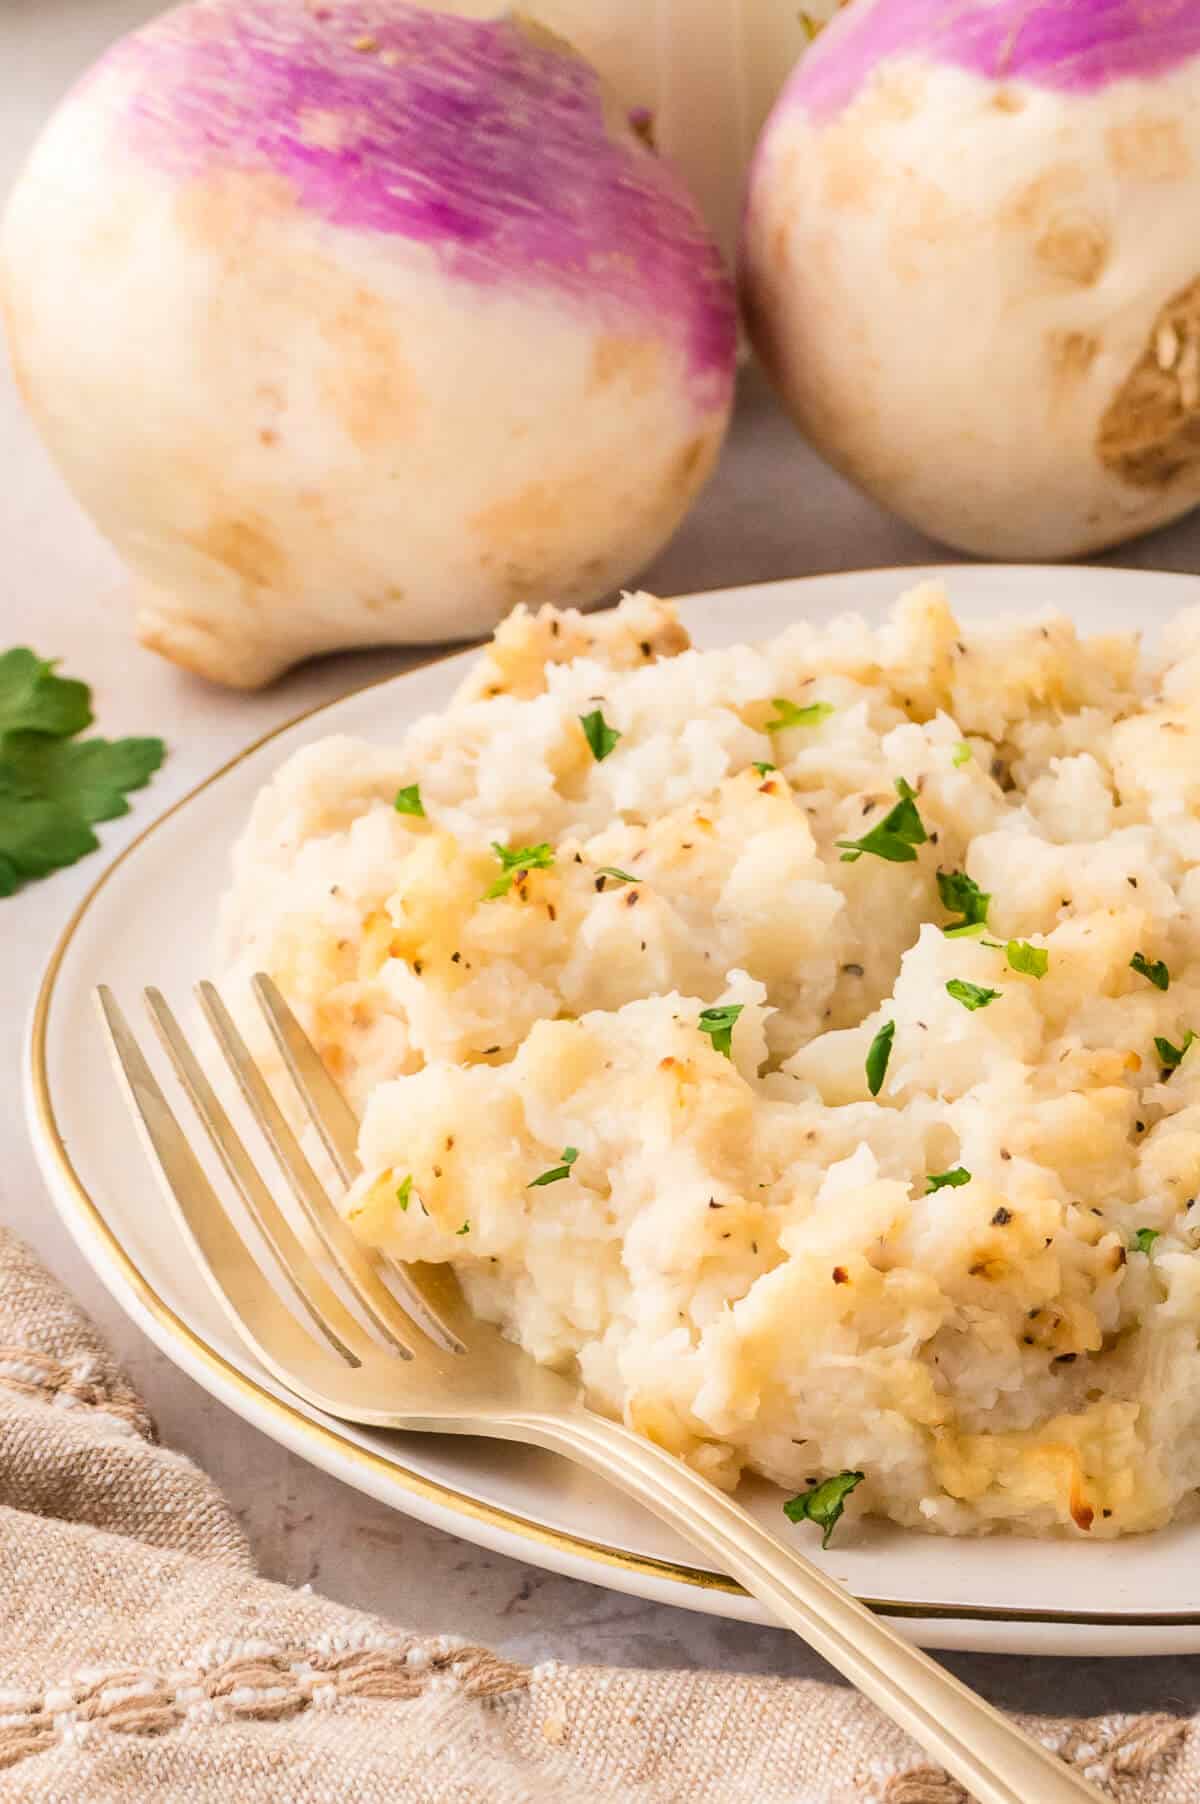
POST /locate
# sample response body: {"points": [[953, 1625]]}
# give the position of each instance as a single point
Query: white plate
{"points": [[150, 919]]}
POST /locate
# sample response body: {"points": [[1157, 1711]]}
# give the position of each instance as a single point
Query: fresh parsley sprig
{"points": [[53, 786], [895, 836]]}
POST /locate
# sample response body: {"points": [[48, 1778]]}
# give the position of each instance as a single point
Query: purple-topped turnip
{"points": [[356, 322], [971, 262]]}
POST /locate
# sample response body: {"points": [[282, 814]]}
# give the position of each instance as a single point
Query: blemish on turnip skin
{"points": [[1150, 433]]}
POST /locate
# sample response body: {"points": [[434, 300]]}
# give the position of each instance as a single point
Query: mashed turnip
{"points": [[747, 1255]]}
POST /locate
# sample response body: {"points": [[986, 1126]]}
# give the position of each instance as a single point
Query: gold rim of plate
{"points": [[320, 1436]]}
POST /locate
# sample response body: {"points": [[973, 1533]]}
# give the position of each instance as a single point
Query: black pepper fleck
{"points": [[1001, 1218]]}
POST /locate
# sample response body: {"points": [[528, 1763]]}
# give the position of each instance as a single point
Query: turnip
{"points": [[353, 322], [971, 261]]}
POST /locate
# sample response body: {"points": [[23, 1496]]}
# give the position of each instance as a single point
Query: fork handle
{"points": [[996, 1761]]}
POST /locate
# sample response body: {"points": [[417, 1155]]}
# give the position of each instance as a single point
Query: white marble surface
{"points": [[772, 511]]}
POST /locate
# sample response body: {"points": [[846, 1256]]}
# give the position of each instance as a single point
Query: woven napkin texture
{"points": [[141, 1659]]}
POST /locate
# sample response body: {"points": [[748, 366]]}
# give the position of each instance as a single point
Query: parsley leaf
{"points": [[791, 714], [88, 775], [895, 835], [600, 736], [37, 837], [1144, 1239], [878, 1054], [763, 768], [408, 801], [514, 859], [963, 754], [971, 995], [947, 1180], [33, 699], [568, 1155], [615, 872], [465, 1229], [54, 787], [824, 1503], [1030, 961], [718, 1024], [1170, 1057], [1155, 972], [958, 891]]}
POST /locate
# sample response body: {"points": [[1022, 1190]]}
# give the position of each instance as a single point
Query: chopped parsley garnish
{"points": [[791, 714], [962, 754], [600, 736], [54, 787], [514, 859], [1171, 1057], [971, 995], [465, 1229], [408, 801], [824, 1503], [556, 1173], [895, 835], [958, 891], [1155, 972], [878, 1054], [404, 1194], [763, 768], [718, 1022], [618, 875], [1144, 1239], [947, 1180], [1030, 961]]}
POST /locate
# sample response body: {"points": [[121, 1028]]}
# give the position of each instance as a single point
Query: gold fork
{"points": [[426, 1363]]}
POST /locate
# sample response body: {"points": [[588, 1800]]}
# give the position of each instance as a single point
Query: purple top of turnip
{"points": [[487, 141], [1072, 46]]}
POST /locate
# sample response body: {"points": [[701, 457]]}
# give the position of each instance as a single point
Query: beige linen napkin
{"points": [[141, 1659]]}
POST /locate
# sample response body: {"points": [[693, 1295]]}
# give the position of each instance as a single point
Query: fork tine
{"points": [[328, 1109], [393, 1322], [433, 1289], [244, 1293], [322, 1304]]}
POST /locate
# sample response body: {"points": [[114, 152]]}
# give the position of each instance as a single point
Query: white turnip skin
{"points": [[353, 323], [971, 263]]}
